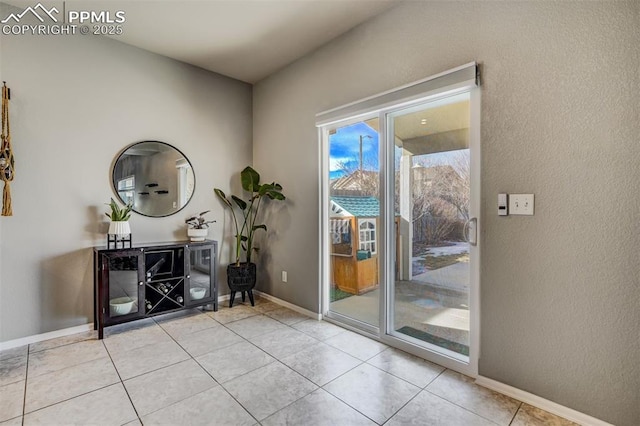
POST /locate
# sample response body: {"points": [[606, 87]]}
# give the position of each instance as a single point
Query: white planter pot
{"points": [[119, 228], [197, 234]]}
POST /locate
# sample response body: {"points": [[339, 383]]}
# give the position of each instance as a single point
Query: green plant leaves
{"points": [[250, 179], [240, 202], [119, 214], [222, 196]]}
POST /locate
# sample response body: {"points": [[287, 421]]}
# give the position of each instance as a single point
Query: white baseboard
{"points": [[543, 404], [291, 306], [10, 344]]}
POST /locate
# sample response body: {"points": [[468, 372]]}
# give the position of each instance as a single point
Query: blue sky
{"points": [[345, 147]]}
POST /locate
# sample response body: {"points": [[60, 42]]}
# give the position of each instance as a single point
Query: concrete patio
{"points": [[432, 309]]}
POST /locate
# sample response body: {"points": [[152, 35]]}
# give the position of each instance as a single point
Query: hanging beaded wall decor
{"points": [[6, 155]]}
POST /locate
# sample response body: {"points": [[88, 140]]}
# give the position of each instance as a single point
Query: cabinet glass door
{"points": [[199, 273], [123, 275]]}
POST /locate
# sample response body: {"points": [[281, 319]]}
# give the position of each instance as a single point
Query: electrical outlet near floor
{"points": [[284, 276], [521, 204]]}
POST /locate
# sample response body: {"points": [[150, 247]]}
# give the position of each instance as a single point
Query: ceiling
{"points": [[244, 39], [441, 125]]}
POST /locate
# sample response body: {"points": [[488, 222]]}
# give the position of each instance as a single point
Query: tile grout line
{"points": [[405, 380], [286, 366], [345, 402], [258, 313], [248, 341], [516, 412], [26, 377], [458, 405], [361, 362], [122, 382], [204, 369], [290, 326], [336, 378], [435, 378], [91, 337], [24, 401], [405, 404], [276, 360], [102, 387], [73, 397], [399, 378]]}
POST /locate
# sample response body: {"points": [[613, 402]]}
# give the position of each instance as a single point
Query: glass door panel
{"points": [[354, 221], [200, 267], [429, 298], [123, 279]]}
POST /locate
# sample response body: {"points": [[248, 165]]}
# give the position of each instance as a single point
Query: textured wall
{"points": [[77, 101], [560, 291]]}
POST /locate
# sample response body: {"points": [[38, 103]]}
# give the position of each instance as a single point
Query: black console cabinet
{"points": [[152, 279]]}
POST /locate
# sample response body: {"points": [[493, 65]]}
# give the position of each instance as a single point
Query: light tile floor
{"points": [[262, 365]]}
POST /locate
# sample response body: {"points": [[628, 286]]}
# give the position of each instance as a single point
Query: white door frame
{"points": [[452, 361], [386, 232]]}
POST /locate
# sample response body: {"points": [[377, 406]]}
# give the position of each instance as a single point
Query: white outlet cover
{"points": [[521, 204]]}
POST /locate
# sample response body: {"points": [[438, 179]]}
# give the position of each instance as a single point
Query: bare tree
{"points": [[440, 199], [458, 184], [356, 180], [439, 193]]}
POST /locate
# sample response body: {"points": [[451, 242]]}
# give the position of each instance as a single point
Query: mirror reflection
{"points": [[155, 177]]}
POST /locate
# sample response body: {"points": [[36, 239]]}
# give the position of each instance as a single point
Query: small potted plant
{"points": [[119, 218], [119, 229], [198, 226]]}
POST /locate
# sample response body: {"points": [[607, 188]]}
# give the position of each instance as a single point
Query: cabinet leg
{"points": [[100, 333], [251, 297], [233, 296]]}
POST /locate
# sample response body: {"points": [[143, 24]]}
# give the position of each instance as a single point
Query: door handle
{"points": [[472, 229]]}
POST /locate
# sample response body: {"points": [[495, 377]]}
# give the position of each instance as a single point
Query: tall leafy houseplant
{"points": [[245, 230], [241, 275]]}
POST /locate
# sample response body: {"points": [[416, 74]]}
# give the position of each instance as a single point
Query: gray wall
{"points": [[560, 304], [77, 101]]}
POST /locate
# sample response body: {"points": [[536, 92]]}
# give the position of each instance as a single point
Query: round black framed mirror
{"points": [[157, 178]]}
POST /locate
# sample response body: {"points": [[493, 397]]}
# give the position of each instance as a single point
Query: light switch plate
{"points": [[503, 205], [521, 204]]}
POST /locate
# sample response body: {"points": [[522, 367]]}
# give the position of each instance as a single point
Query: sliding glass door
{"points": [[400, 201], [354, 221], [429, 296]]}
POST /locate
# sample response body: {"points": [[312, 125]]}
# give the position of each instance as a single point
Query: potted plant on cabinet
{"points": [[119, 227], [198, 226], [241, 276]]}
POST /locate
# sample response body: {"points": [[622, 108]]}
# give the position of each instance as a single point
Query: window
{"points": [[341, 236], [367, 235], [126, 189]]}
